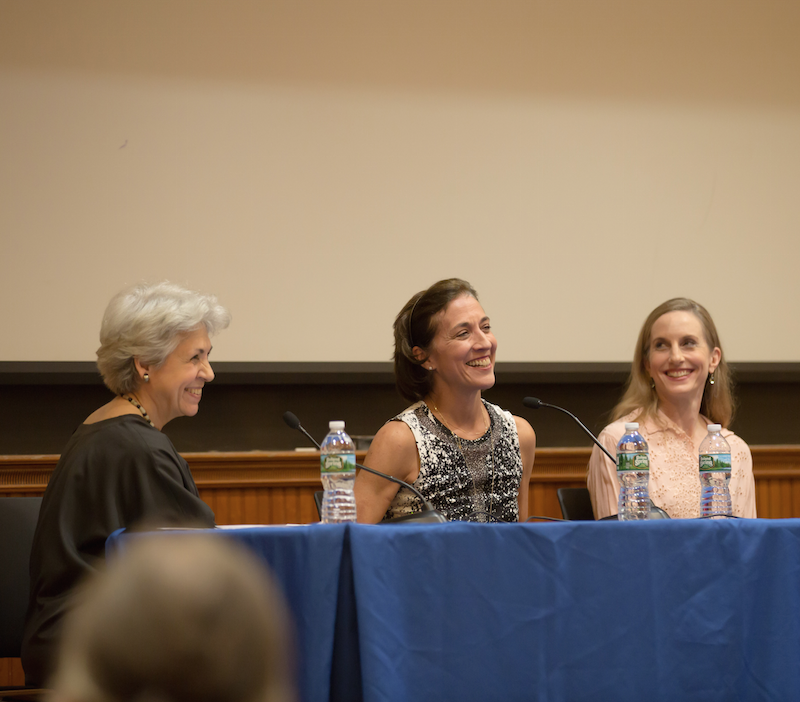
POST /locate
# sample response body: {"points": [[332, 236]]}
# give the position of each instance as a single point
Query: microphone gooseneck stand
{"points": [[536, 403], [428, 515]]}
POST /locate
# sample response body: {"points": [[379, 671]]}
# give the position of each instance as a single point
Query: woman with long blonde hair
{"points": [[679, 383]]}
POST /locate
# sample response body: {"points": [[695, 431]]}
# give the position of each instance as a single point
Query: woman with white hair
{"points": [[118, 470]]}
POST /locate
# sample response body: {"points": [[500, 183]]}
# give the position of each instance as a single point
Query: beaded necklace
{"points": [[136, 404]]}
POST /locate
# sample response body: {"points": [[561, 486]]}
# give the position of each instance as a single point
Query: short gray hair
{"points": [[147, 322]]}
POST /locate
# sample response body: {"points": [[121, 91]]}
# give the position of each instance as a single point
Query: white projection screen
{"points": [[316, 163]]}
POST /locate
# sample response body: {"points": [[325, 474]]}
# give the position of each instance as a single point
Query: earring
{"points": [[711, 378], [652, 383], [146, 377]]}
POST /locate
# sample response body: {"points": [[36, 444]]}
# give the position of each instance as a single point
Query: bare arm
{"points": [[394, 452], [527, 449]]}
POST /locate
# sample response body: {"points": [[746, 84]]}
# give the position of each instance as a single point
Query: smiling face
{"points": [[176, 386], [680, 358], [463, 350]]}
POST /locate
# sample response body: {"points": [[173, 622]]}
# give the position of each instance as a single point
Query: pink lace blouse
{"points": [[674, 479]]}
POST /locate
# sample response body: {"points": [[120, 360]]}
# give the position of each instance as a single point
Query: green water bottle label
{"points": [[338, 463], [633, 461], [715, 461]]}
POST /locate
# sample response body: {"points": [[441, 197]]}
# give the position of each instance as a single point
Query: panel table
{"points": [[567, 611]]}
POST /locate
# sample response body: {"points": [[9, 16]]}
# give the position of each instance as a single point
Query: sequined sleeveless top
{"points": [[466, 480]]}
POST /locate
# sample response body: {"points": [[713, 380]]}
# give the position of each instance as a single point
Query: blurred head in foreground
{"points": [[180, 618]]}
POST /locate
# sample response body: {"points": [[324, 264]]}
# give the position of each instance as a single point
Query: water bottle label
{"points": [[338, 463], [715, 461], [633, 461]]}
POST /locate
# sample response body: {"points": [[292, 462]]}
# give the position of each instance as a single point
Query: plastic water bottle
{"points": [[338, 473], [715, 474], [633, 474]]}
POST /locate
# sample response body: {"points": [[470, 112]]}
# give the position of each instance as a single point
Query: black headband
{"points": [[411, 318]]}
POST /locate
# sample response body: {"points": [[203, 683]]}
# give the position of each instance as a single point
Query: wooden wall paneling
{"points": [[770, 505], [785, 497], [249, 507], [25, 476], [11, 672], [259, 487], [262, 505], [762, 498], [795, 491], [278, 487], [777, 472], [775, 503], [552, 469]]}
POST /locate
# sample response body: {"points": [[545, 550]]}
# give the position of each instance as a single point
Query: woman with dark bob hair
{"points": [[679, 383], [118, 469], [469, 458]]}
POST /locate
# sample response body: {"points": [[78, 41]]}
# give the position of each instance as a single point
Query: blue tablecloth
{"points": [[662, 610], [310, 564]]}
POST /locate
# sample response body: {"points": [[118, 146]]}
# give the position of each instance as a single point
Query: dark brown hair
{"points": [[416, 325]]}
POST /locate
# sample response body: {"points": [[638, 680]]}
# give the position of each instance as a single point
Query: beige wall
{"points": [[578, 162]]}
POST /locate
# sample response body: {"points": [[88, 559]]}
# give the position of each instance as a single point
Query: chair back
{"points": [[18, 517], [576, 504]]}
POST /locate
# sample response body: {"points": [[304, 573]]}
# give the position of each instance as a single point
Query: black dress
{"points": [[119, 472]]}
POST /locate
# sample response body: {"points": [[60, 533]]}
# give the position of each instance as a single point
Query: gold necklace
{"points": [[447, 424], [461, 451]]}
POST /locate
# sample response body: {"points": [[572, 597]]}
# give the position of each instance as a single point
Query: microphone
{"points": [[429, 514], [536, 403], [291, 419]]}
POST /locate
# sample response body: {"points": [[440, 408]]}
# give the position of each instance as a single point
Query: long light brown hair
{"points": [[179, 618], [717, 404]]}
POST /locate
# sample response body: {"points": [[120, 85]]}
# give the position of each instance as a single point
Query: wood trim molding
{"points": [[30, 474]]}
